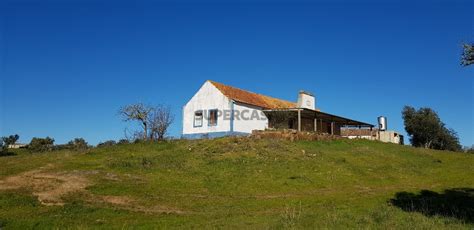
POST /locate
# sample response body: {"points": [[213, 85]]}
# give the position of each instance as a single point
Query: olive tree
{"points": [[426, 130]]}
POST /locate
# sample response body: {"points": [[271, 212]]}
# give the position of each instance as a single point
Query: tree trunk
{"points": [[145, 131], [428, 144]]}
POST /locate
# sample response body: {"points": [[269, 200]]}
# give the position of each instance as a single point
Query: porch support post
{"points": [[299, 120], [315, 124], [332, 127]]}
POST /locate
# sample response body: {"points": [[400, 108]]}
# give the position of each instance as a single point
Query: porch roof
{"points": [[324, 116]]}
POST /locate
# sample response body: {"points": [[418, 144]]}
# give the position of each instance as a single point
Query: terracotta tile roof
{"points": [[250, 98]]}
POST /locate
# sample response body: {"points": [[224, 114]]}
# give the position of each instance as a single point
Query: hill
{"points": [[239, 183]]}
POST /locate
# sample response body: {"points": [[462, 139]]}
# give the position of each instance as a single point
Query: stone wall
{"points": [[292, 135]]}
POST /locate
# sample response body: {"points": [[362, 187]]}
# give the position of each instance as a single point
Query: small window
{"points": [[198, 118], [213, 117]]}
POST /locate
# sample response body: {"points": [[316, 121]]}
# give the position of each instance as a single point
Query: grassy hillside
{"points": [[239, 183]]}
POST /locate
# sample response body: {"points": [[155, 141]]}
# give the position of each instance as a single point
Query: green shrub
{"points": [[77, 144], [2, 146], [138, 141], [107, 143], [146, 162], [120, 164], [41, 144], [123, 141], [4, 150]]}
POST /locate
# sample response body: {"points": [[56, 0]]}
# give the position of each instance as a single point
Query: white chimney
{"points": [[306, 100]]}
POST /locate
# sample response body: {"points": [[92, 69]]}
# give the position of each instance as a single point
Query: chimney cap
{"points": [[305, 92]]}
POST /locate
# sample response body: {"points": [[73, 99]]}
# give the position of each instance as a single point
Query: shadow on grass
{"points": [[456, 203], [7, 154]]}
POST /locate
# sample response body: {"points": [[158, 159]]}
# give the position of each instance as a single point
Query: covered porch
{"points": [[308, 120]]}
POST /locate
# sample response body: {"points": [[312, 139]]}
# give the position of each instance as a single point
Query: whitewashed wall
{"points": [[246, 126], [208, 97]]}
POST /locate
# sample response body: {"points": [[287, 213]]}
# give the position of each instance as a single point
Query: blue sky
{"points": [[66, 67]]}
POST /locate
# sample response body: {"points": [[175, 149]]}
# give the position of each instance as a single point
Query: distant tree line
{"points": [[112, 143], [38, 144]]}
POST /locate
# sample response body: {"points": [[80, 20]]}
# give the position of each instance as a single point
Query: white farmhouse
{"points": [[219, 110]]}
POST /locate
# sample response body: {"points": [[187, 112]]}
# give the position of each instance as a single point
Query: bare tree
{"points": [[160, 120], [133, 135], [137, 112]]}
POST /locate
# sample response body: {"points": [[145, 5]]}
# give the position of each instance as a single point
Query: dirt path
{"points": [[48, 187], [51, 187]]}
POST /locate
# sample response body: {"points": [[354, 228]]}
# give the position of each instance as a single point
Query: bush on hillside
{"points": [[138, 141], [106, 143], [123, 141], [77, 144], [41, 144], [4, 149]]}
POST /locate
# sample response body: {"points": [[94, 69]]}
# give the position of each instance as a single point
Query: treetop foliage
{"points": [[468, 55], [10, 140]]}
